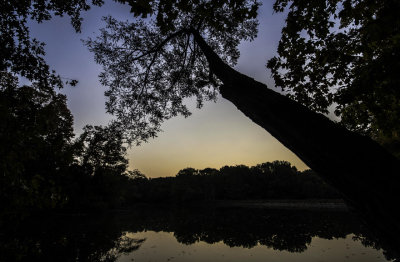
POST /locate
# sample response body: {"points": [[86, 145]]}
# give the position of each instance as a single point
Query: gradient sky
{"points": [[214, 136]]}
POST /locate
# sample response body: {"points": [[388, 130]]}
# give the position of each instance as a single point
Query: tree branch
{"points": [[160, 45]]}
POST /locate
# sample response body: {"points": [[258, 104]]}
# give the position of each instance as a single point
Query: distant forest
{"points": [[276, 180], [45, 168]]}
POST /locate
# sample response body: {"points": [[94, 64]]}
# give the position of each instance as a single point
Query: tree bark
{"points": [[361, 169]]}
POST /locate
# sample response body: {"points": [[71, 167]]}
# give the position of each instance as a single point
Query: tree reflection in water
{"points": [[107, 237]]}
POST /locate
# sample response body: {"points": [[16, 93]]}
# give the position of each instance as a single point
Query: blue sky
{"points": [[214, 136]]}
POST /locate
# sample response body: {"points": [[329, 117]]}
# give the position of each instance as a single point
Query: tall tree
{"points": [[344, 53], [150, 65], [35, 137], [185, 48], [36, 125]]}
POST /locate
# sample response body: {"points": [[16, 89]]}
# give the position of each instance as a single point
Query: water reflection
{"points": [[119, 236]]}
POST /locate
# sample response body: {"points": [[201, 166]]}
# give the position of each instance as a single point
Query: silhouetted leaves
{"points": [[24, 56], [346, 54], [35, 138], [151, 65], [102, 148], [270, 180]]}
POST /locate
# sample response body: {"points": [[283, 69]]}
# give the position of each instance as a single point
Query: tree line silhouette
{"points": [[108, 188], [270, 180], [187, 50], [45, 168]]}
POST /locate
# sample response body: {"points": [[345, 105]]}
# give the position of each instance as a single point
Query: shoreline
{"points": [[278, 204], [307, 204]]}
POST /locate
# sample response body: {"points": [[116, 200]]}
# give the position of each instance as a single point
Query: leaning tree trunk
{"points": [[357, 166]]}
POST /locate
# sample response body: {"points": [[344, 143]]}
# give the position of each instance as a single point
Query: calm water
{"points": [[195, 234]]}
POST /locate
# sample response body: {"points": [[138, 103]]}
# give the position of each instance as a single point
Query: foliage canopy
{"points": [[101, 148], [22, 55], [152, 64], [344, 53], [35, 136]]}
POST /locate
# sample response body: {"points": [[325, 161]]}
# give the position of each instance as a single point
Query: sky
{"points": [[214, 136]]}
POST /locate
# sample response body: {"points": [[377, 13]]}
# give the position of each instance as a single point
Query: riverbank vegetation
{"points": [[46, 169], [276, 180]]}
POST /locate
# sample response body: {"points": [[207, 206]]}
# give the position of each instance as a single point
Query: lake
{"points": [[161, 233]]}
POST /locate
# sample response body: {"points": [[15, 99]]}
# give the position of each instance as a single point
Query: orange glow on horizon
{"points": [[214, 136]]}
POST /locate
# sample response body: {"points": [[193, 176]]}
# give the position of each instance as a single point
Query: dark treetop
{"points": [[22, 55], [152, 64], [344, 53]]}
